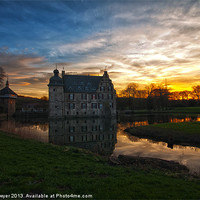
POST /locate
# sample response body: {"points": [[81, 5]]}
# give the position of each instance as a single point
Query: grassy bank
{"points": [[32, 167], [185, 110], [185, 133], [178, 110]]}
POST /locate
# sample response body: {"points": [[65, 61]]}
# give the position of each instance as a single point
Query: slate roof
{"points": [[55, 81], [7, 90], [81, 84]]}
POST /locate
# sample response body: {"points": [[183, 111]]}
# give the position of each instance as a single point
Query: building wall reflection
{"points": [[96, 134]]}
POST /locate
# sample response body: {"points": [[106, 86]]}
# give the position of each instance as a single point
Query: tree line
{"points": [[157, 97]]}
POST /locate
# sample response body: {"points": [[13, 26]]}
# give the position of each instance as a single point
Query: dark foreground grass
{"points": [[32, 167], [185, 133]]}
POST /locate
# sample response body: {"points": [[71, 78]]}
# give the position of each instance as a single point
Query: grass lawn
{"points": [[185, 133], [185, 110], [184, 127], [32, 167], [178, 110]]}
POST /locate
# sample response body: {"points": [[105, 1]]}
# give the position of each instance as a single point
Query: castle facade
{"points": [[81, 96]]}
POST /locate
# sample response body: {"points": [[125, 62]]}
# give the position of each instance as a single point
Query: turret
{"points": [[7, 83], [56, 95], [105, 74]]}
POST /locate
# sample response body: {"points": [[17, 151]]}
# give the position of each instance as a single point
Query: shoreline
{"points": [[170, 136]]}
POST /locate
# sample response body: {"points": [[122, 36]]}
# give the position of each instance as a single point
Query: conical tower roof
{"points": [[7, 92]]}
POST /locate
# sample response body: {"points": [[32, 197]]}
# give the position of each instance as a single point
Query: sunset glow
{"points": [[137, 41]]}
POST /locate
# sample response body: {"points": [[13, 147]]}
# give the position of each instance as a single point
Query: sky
{"points": [[140, 41]]}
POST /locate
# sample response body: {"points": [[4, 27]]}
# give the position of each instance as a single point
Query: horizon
{"points": [[138, 41]]}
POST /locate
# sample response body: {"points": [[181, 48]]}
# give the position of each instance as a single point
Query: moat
{"points": [[107, 136]]}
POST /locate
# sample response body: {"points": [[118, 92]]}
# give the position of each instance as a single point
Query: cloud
{"points": [[80, 47], [138, 41]]}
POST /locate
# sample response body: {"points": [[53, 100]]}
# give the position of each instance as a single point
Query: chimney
{"points": [[63, 72]]}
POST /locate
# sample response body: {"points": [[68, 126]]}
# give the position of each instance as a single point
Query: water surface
{"points": [[107, 136]]}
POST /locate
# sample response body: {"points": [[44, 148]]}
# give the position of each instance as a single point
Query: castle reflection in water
{"points": [[98, 135]]}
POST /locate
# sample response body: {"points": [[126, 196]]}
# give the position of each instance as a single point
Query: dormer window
{"points": [[102, 88]]}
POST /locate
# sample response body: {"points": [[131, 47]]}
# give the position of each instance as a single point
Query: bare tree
{"points": [[45, 98], [184, 94], [2, 75], [157, 97], [131, 90], [196, 91]]}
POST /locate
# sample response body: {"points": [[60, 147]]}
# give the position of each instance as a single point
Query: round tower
{"points": [[56, 95]]}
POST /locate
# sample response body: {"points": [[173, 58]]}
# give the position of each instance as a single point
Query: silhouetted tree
{"points": [[174, 95], [44, 98], [196, 91], [157, 98], [184, 95], [131, 92], [150, 88], [2, 75]]}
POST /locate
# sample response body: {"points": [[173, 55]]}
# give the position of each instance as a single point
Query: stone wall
{"points": [[56, 101]]}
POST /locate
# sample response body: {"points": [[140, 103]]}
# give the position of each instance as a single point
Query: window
{"points": [[100, 105], [54, 90], [111, 105], [110, 96], [83, 106], [100, 127], [71, 106], [111, 136], [71, 96], [101, 137], [94, 128], [84, 96], [93, 96], [84, 138], [101, 96], [102, 88], [93, 137], [71, 129], [83, 128], [72, 138], [94, 105]]}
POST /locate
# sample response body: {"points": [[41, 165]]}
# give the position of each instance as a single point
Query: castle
{"points": [[81, 96]]}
